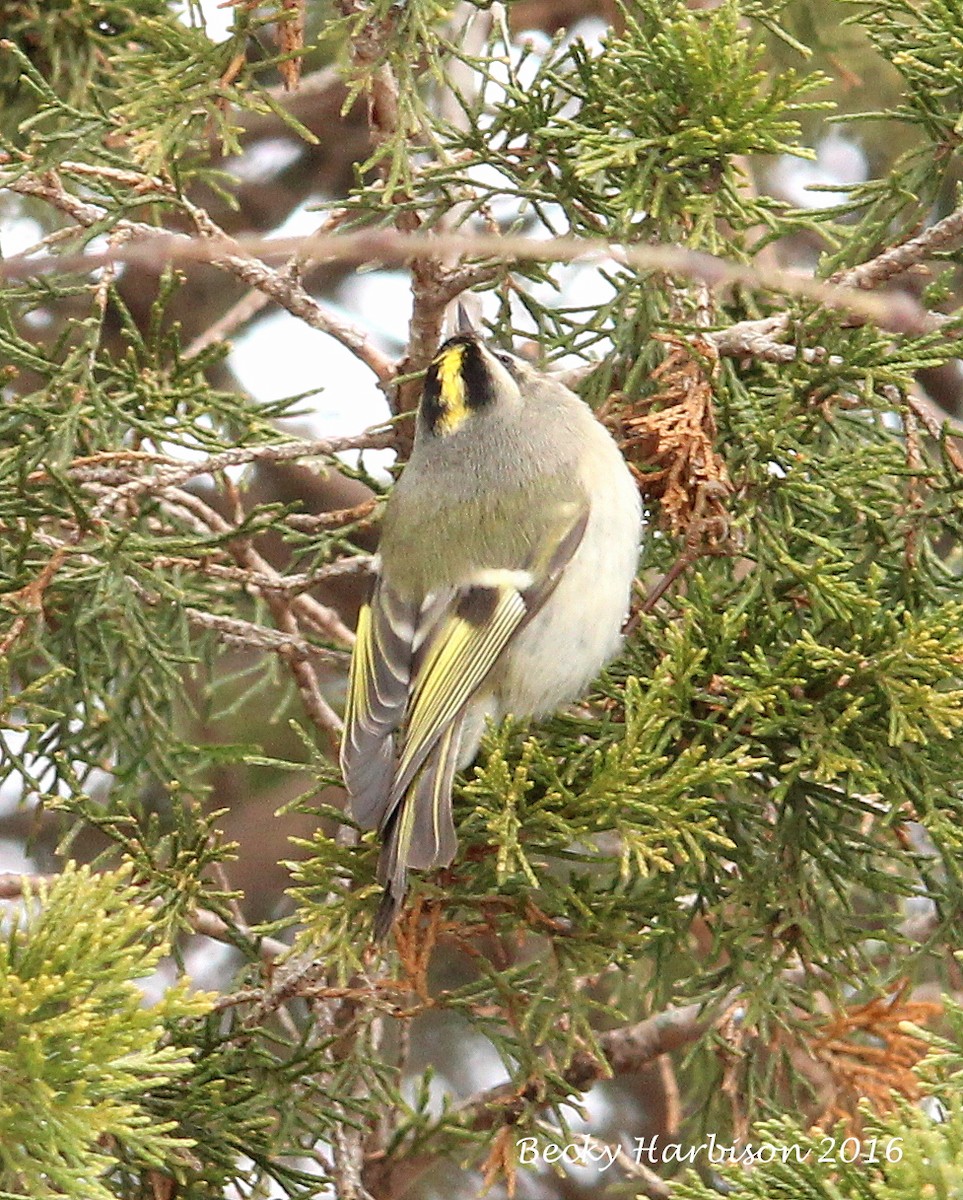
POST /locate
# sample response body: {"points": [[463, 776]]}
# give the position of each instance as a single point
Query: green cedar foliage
{"points": [[81, 1057], [761, 792]]}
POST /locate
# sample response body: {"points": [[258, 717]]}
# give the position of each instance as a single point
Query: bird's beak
{"points": [[463, 322]]}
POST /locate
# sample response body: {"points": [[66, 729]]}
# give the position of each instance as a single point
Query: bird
{"points": [[503, 577]]}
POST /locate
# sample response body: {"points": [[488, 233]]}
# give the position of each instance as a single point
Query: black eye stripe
{"points": [[478, 380]]}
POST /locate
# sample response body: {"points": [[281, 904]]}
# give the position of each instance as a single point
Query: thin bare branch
{"points": [[248, 307], [224, 252], [897, 311], [626, 1050], [760, 339], [356, 564], [937, 424], [897, 260], [175, 471], [237, 316], [336, 519], [237, 632], [232, 630], [285, 609]]}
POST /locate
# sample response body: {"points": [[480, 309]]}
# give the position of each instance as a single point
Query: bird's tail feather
{"points": [[419, 832]]}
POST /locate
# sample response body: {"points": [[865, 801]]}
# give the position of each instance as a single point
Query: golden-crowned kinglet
{"points": [[507, 555]]}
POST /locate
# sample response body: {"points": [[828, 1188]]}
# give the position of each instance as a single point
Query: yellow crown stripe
{"points": [[451, 384]]}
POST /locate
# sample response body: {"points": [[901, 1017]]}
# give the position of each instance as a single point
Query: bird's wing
{"points": [[460, 638], [414, 670], [378, 686]]}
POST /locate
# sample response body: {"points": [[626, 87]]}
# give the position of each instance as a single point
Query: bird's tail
{"points": [[418, 831]]}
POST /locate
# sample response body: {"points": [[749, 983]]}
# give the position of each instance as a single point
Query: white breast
{"points": [[578, 631]]}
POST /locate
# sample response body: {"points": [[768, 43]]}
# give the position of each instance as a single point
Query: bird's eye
{"points": [[508, 362]]}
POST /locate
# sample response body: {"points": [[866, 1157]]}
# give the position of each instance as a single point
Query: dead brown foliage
{"points": [[870, 1054], [669, 440]]}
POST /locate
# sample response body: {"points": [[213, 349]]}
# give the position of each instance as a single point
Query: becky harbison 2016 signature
{"points": [[586, 1151]]}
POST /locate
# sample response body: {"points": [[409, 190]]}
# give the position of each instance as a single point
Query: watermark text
{"points": [[586, 1151]]}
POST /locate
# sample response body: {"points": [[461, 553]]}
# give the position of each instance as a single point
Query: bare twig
{"points": [[250, 305], [322, 715], [238, 315], [431, 281], [209, 924], [283, 287], [896, 260], [324, 620], [31, 597], [174, 471], [232, 630], [626, 1051], [357, 564], [285, 611], [309, 522], [291, 646], [755, 339], [224, 252], [897, 312], [759, 339], [937, 423]]}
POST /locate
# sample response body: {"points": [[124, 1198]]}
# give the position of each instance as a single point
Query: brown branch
{"points": [[626, 1051], [759, 339], [209, 924], [755, 339], [357, 564], [174, 471], [31, 597], [283, 287], [335, 519], [320, 712], [237, 316], [224, 252], [290, 646], [171, 472], [896, 312], [232, 630], [899, 259], [248, 307], [936, 422], [428, 296], [324, 620], [285, 611]]}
